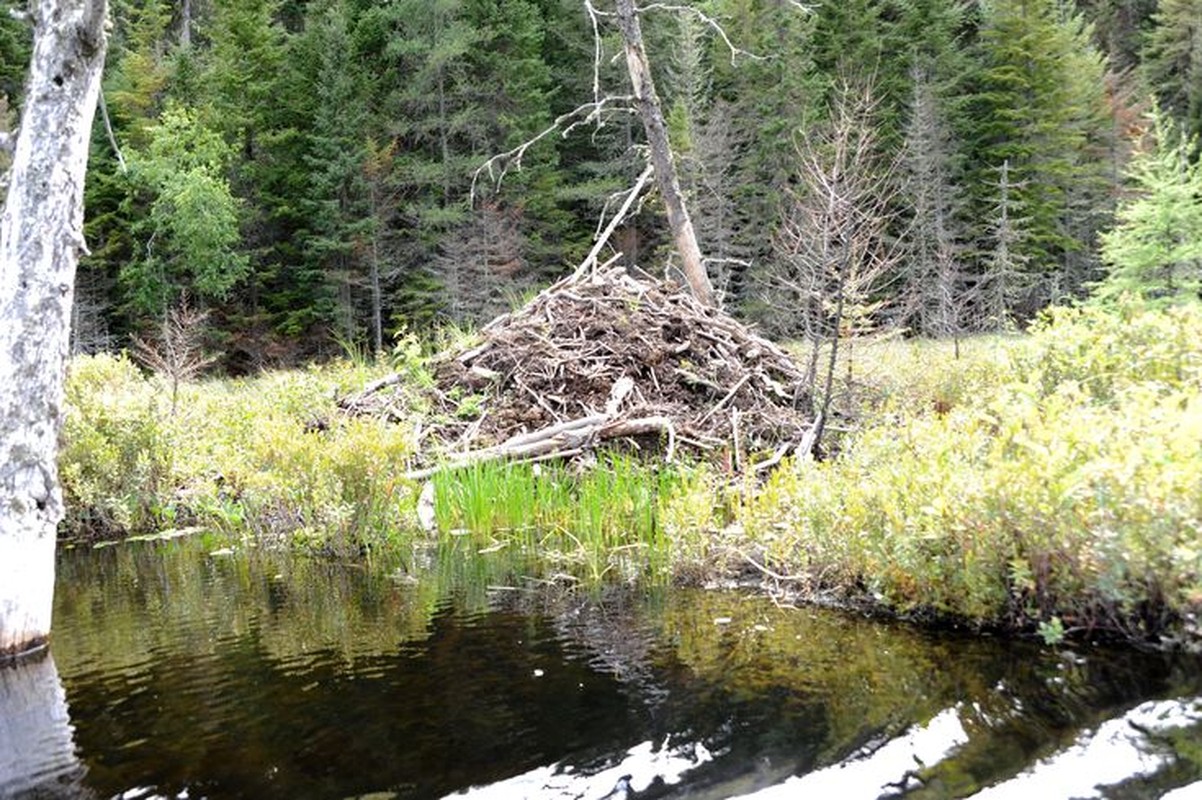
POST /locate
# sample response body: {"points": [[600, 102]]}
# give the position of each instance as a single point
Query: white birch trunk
{"points": [[41, 239]]}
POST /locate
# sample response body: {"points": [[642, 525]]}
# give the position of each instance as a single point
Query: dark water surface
{"points": [[179, 673]]}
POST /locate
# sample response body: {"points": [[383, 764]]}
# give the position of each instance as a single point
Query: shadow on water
{"points": [[265, 675]]}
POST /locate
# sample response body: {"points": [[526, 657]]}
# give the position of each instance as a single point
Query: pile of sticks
{"points": [[607, 357]]}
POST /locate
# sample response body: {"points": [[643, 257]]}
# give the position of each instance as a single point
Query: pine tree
{"points": [[15, 44], [1121, 27], [1006, 279], [1173, 61], [1155, 251], [764, 102], [933, 294], [336, 203], [1037, 106]]}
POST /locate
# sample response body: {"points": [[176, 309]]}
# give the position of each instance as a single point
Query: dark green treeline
{"points": [[304, 169]]}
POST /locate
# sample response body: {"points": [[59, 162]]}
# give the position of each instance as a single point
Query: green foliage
{"points": [[609, 517], [1036, 106], [1173, 62], [1155, 251], [15, 50], [1067, 489], [190, 236], [267, 457], [115, 463]]}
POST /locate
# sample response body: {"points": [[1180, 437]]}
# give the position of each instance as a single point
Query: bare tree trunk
{"points": [[661, 153], [185, 31], [41, 239]]}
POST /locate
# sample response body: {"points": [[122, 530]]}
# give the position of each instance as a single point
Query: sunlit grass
{"points": [[590, 522]]}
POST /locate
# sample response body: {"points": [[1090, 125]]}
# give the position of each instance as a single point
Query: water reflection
{"points": [[262, 675], [37, 750]]}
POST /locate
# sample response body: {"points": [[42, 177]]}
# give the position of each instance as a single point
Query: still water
{"points": [[180, 673]]}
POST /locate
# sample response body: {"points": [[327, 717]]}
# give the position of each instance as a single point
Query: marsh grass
{"points": [[594, 523], [266, 456], [1055, 486]]}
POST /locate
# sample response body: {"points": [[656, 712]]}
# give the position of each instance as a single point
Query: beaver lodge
{"points": [[608, 358]]}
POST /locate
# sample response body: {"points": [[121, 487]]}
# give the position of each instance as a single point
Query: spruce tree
{"points": [[1037, 107], [1173, 61], [1155, 250]]}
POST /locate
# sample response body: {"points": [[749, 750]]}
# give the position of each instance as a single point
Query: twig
{"points": [[591, 259], [725, 399], [499, 165], [735, 51]]}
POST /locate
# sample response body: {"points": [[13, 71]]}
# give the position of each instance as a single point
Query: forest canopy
{"points": [[303, 169]]}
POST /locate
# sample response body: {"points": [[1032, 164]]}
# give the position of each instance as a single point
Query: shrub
{"points": [[1067, 491]]}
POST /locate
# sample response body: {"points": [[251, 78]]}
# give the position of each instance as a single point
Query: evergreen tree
{"points": [[1037, 107], [15, 42], [764, 103], [933, 292], [1173, 61], [336, 203], [1121, 27], [1155, 251], [1006, 279]]}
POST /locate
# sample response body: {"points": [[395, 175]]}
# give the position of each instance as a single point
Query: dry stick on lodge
{"points": [[603, 356]]}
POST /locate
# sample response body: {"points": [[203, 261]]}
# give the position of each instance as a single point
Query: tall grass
{"points": [[605, 521]]}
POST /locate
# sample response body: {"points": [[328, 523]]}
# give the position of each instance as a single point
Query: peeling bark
{"points": [[41, 240]]}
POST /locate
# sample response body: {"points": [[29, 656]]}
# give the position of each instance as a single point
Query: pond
{"points": [[182, 673]]}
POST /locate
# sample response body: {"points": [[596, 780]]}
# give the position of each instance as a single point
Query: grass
{"points": [[1049, 483]]}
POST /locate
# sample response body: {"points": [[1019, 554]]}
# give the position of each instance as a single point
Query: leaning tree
{"points": [[41, 240]]}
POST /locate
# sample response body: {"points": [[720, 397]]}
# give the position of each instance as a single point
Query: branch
{"points": [[591, 258], [735, 51], [593, 13], [499, 165], [108, 128]]}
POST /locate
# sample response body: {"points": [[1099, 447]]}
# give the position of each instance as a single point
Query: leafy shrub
{"points": [[114, 464], [1071, 490]]}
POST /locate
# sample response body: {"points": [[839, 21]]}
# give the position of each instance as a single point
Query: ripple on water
{"points": [[250, 677]]}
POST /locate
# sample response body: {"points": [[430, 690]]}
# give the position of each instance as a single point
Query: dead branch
{"points": [[500, 165], [604, 357], [735, 51]]}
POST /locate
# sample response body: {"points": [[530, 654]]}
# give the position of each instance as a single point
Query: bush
{"points": [[1068, 491], [270, 456], [114, 462]]}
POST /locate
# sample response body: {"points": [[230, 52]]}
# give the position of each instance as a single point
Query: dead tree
{"points": [[650, 111], [836, 251], [41, 239], [645, 103]]}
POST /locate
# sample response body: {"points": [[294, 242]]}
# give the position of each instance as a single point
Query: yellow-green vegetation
{"points": [[1054, 486], [1050, 483], [609, 519], [267, 456]]}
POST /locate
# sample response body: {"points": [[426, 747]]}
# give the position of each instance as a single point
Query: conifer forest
{"points": [[321, 175]]}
